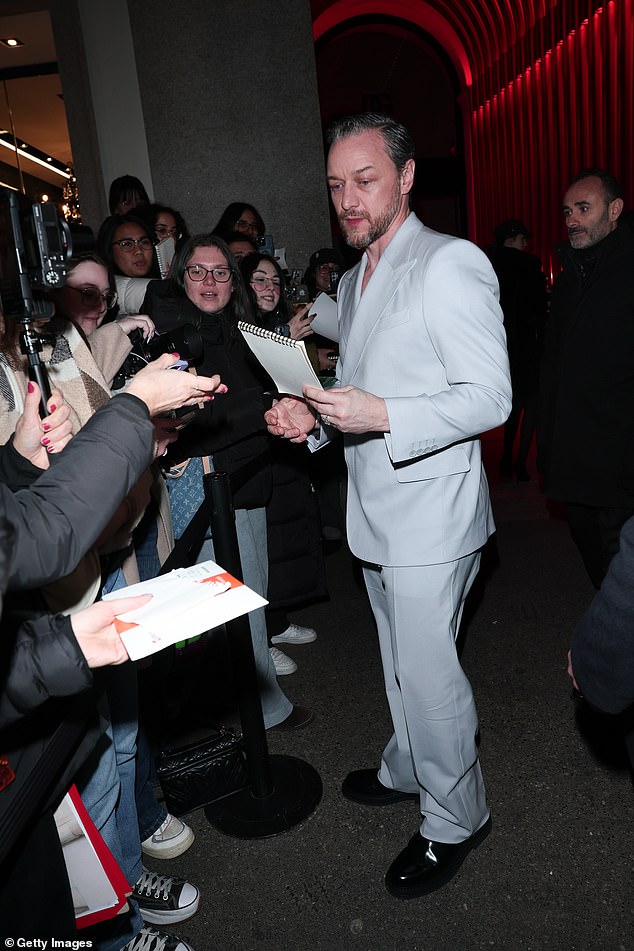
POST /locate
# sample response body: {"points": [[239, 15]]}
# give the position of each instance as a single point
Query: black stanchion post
{"points": [[240, 645], [284, 790]]}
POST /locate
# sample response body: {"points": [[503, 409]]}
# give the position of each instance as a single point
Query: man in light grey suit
{"points": [[423, 370]]}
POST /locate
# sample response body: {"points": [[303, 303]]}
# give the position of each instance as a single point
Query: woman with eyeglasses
{"points": [[87, 298], [240, 216], [126, 243], [294, 538], [205, 288], [165, 222], [265, 280]]}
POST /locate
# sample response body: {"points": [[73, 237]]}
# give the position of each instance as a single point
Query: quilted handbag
{"points": [[196, 775]]}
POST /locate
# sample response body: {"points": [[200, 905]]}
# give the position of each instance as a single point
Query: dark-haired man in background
{"points": [[586, 429]]}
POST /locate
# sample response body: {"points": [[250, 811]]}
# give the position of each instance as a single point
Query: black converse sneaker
{"points": [[150, 939], [165, 900]]}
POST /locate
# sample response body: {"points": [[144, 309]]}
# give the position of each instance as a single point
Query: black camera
{"points": [[184, 339], [35, 245]]}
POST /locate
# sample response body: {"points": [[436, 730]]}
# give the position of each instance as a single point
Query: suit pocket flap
{"points": [[448, 462]]}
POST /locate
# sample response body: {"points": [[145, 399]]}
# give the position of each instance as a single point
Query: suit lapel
{"points": [[360, 313]]}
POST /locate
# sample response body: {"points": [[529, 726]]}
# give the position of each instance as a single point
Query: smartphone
{"points": [[266, 244]]}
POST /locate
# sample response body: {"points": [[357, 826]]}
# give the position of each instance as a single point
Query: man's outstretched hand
{"points": [[290, 418]]}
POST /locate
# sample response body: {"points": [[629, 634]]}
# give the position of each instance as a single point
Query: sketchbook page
{"points": [[164, 253], [185, 602], [284, 359], [325, 321], [98, 886]]}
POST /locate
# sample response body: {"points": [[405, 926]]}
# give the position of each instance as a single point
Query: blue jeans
{"points": [[118, 802], [107, 786]]}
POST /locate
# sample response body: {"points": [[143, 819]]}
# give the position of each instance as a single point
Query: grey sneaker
{"points": [[172, 838], [282, 662], [295, 634]]}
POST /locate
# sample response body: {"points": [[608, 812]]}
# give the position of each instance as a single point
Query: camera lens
{"points": [[184, 340]]}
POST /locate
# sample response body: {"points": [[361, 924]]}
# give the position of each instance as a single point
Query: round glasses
{"points": [[198, 273], [162, 231], [92, 297], [261, 282], [129, 244], [243, 225]]}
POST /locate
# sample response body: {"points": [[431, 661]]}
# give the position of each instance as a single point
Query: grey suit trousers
{"points": [[433, 749]]}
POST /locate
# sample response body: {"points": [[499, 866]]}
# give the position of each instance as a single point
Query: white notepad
{"points": [[284, 359]]}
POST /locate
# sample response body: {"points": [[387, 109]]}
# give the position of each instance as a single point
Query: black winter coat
{"points": [[523, 301], [603, 642], [231, 428], [48, 720], [586, 425]]}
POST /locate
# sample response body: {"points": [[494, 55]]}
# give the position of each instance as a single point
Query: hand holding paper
{"points": [[185, 603]]}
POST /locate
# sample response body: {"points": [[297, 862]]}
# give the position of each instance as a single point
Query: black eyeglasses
{"points": [[162, 231], [129, 244], [198, 273], [243, 225], [92, 297]]}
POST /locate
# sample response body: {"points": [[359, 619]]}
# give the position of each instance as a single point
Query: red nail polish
{"points": [[30, 387], [46, 427], [45, 441], [53, 407], [50, 448]]}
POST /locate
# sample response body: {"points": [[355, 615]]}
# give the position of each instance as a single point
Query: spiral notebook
{"points": [[284, 359]]}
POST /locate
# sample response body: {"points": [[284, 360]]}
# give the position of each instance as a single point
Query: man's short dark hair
{"points": [[399, 144], [611, 187]]}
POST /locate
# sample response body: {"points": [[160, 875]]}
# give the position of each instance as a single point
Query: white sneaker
{"points": [[172, 838], [283, 663], [294, 634], [165, 900], [151, 939]]}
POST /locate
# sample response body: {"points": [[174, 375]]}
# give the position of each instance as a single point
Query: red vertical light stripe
{"points": [[627, 32], [613, 99], [597, 66], [586, 104]]}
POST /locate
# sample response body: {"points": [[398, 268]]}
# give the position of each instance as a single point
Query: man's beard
{"points": [[588, 237], [378, 225]]}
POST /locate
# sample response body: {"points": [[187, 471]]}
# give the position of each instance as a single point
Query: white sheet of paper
{"points": [[185, 602], [325, 321], [280, 257]]}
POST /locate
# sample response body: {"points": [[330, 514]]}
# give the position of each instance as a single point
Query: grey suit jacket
{"points": [[427, 336]]}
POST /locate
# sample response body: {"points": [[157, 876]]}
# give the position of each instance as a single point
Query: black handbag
{"points": [[195, 775]]}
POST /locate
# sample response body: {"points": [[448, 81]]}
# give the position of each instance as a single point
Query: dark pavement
{"points": [[556, 872]]}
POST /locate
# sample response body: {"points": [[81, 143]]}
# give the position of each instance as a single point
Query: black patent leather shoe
{"points": [[364, 786], [423, 865]]}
